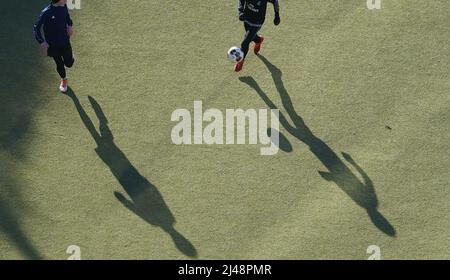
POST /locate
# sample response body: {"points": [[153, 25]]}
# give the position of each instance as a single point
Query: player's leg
{"points": [[61, 71], [258, 40], [68, 60], [250, 34], [67, 55], [55, 53], [60, 66]]}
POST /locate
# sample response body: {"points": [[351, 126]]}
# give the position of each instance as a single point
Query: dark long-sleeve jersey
{"points": [[55, 20], [255, 10]]}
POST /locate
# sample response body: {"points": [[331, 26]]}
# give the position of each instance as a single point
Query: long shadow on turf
{"points": [[146, 201], [21, 72], [11, 226], [362, 193]]}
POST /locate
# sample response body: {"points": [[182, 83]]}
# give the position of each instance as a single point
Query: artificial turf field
{"points": [[371, 84]]}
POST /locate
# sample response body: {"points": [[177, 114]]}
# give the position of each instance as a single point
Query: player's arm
{"points": [[276, 8], [241, 9], [37, 28], [37, 31], [69, 23]]}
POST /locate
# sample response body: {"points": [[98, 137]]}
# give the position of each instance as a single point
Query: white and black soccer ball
{"points": [[235, 54]]}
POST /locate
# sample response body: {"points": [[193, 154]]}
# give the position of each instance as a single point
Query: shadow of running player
{"points": [[146, 201], [362, 193]]}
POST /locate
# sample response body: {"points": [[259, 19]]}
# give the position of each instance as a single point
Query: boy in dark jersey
{"points": [[253, 14], [57, 25]]}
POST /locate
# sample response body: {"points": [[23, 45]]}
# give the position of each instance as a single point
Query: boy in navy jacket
{"points": [[253, 14], [57, 25]]}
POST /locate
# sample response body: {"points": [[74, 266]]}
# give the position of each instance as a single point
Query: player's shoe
{"points": [[258, 46], [63, 85], [239, 65]]}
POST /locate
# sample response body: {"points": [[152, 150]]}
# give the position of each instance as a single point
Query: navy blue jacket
{"points": [[254, 11], [55, 20]]}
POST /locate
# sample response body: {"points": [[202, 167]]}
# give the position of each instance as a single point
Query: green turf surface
{"points": [[371, 84]]}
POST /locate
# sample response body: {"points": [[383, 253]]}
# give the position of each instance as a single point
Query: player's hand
{"points": [[277, 19], [44, 47], [241, 16], [69, 30]]}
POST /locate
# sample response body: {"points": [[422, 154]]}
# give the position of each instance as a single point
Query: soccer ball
{"points": [[235, 54]]}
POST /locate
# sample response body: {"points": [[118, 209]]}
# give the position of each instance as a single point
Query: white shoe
{"points": [[63, 85]]}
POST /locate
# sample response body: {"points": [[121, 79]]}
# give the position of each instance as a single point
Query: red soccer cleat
{"points": [[258, 46], [239, 65]]}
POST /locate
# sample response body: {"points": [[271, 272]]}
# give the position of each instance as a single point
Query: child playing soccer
{"points": [[253, 14], [57, 25]]}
